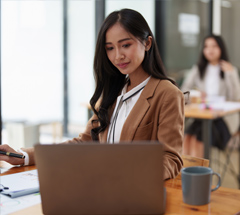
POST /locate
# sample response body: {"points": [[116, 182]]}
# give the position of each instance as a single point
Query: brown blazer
{"points": [[157, 115]]}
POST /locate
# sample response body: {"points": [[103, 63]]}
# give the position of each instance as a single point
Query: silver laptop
{"points": [[92, 178]]}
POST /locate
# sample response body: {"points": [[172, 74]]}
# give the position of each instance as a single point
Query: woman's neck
{"points": [[135, 80], [214, 63]]}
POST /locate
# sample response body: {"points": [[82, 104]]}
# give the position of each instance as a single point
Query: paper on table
{"points": [[20, 184], [226, 106], [10, 205]]}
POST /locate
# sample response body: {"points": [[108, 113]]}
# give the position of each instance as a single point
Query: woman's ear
{"points": [[148, 43]]}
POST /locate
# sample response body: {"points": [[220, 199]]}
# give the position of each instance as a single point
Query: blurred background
{"points": [[47, 50]]}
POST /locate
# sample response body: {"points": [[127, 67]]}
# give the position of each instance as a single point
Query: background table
{"points": [[207, 116]]}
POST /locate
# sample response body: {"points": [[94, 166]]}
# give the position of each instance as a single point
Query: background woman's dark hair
{"points": [[203, 62], [109, 81]]}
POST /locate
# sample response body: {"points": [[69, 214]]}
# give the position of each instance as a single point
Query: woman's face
{"points": [[212, 51], [124, 50]]}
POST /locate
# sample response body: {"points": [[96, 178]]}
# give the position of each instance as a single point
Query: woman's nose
{"points": [[119, 55]]}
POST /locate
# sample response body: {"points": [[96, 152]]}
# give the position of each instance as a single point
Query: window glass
{"points": [[187, 22], [81, 46], [32, 59]]}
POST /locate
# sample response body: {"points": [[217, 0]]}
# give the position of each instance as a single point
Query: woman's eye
{"points": [[109, 48], [126, 45]]}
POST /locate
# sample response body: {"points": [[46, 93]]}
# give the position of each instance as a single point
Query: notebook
{"points": [[19, 184], [125, 178]]}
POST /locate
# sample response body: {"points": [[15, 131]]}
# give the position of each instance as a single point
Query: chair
{"points": [[228, 152], [193, 161], [223, 158]]}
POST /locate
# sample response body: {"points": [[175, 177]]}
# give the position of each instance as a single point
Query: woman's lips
{"points": [[122, 65]]}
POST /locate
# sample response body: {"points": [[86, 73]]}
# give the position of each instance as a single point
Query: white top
{"points": [[26, 159], [125, 103], [212, 80]]}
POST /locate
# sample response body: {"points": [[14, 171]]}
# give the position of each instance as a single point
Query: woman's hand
{"points": [[226, 66], [11, 160]]}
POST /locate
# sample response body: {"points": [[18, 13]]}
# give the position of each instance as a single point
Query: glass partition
{"points": [[186, 24], [230, 17]]}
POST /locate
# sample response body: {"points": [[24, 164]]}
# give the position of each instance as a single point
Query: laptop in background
{"points": [[92, 178]]}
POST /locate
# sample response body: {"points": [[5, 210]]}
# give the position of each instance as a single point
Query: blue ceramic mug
{"points": [[197, 183]]}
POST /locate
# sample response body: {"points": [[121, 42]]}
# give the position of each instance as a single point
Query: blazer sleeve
{"points": [[233, 85], [171, 131]]}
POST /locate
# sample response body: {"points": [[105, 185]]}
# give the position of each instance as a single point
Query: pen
{"points": [[12, 154]]}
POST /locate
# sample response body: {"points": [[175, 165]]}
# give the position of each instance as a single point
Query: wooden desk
{"points": [[223, 201], [193, 111]]}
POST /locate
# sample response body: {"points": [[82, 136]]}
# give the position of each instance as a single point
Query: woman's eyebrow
{"points": [[119, 41]]}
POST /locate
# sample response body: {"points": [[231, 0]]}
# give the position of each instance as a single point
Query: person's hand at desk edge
{"points": [[9, 155]]}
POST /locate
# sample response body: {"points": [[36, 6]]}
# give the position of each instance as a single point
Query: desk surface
{"points": [[223, 201]]}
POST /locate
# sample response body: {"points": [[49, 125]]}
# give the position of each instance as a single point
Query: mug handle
{"points": [[219, 181]]}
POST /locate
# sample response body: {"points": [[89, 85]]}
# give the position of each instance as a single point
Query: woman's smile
{"points": [[123, 65]]}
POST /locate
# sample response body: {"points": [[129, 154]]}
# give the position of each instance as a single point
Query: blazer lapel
{"points": [[139, 110]]}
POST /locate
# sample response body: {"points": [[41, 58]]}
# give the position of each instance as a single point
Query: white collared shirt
{"points": [[125, 103], [212, 78]]}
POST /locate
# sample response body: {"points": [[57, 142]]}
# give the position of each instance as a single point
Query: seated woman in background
{"points": [[134, 99], [213, 76]]}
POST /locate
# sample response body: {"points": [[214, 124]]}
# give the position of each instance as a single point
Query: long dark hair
{"points": [[109, 80], [203, 62]]}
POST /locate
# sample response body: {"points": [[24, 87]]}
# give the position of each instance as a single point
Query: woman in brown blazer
{"points": [[133, 99]]}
